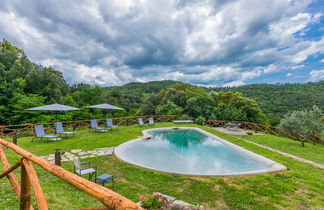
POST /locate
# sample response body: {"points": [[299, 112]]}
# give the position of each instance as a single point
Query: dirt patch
{"points": [[229, 182], [199, 178]]}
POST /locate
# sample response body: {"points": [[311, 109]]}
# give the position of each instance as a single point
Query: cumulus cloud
{"points": [[213, 43], [316, 75]]}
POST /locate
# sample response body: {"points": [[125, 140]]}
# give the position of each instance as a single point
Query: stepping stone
{"points": [[181, 204], [82, 153], [76, 150], [50, 158], [169, 198], [63, 159]]}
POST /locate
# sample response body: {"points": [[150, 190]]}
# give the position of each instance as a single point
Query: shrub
{"points": [[155, 201], [303, 124], [200, 120]]}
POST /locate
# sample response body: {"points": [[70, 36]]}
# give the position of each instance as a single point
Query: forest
{"points": [[24, 84]]}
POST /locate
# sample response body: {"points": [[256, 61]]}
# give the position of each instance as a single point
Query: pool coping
{"points": [[272, 165]]}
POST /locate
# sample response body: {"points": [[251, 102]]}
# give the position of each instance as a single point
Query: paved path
{"points": [[285, 154], [68, 156]]}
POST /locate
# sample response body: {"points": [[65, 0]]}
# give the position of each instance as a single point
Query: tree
{"points": [[303, 123], [149, 105], [200, 105], [178, 97], [249, 106], [169, 109], [229, 112]]}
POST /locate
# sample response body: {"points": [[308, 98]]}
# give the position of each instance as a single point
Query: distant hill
{"points": [[278, 99], [140, 90]]}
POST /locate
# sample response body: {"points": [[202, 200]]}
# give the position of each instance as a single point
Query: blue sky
{"points": [[205, 42]]}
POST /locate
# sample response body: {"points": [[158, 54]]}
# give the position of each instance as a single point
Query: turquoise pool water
{"points": [[188, 151]]}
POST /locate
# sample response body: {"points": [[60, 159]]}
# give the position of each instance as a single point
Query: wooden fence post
{"points": [[57, 157], [14, 138], [39, 195], [25, 197]]}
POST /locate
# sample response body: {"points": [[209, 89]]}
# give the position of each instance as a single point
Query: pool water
{"points": [[187, 151]]}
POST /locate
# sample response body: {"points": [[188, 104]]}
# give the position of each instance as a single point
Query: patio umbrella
{"points": [[105, 106], [53, 107]]}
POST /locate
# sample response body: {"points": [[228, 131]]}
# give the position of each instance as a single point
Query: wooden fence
{"points": [[28, 129], [293, 134], [29, 179]]}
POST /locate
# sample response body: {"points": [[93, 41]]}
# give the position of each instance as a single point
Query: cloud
{"points": [[212, 43], [289, 75], [316, 75]]}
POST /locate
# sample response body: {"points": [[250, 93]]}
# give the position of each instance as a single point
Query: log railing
{"points": [[29, 179], [293, 134], [28, 129]]}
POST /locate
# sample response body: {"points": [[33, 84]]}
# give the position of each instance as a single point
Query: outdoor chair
{"points": [[94, 126], [110, 124], [60, 130], [151, 121], [40, 134], [80, 170], [140, 122]]}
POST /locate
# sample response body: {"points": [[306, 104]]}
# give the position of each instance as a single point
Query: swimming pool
{"points": [[192, 151]]}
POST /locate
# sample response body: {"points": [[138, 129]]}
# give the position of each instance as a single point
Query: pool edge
{"points": [[273, 167]]}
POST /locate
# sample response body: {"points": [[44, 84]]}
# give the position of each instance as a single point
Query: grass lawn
{"points": [[301, 187], [289, 146]]}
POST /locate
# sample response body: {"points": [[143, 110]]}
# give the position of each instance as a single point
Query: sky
{"points": [[204, 42]]}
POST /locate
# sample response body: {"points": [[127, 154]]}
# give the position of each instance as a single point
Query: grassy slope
{"points": [[292, 147], [298, 188]]}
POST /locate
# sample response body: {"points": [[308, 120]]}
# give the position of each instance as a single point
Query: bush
{"points": [[303, 124], [200, 120], [155, 201]]}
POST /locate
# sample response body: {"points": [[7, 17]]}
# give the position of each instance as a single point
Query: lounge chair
{"points": [[151, 121], [94, 126], [110, 124], [60, 130], [140, 122], [90, 170], [40, 134]]}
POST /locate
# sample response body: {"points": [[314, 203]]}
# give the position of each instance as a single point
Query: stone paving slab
{"points": [[69, 155]]}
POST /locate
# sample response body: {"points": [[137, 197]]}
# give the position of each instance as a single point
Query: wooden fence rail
{"points": [[29, 179], [293, 134], [28, 129]]}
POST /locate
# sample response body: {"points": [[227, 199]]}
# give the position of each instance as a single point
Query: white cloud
{"points": [[316, 75], [234, 84], [203, 42], [289, 75]]}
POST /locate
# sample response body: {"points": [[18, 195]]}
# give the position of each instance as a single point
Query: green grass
{"points": [[300, 187], [292, 147]]}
